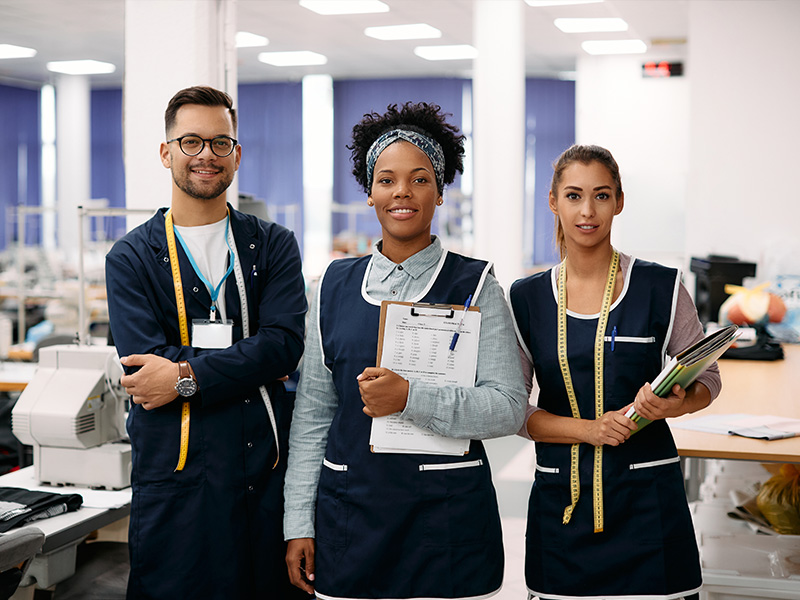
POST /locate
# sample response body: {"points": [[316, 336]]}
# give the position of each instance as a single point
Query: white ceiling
{"points": [[81, 29]]}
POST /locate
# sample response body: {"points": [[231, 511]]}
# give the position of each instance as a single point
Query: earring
{"points": [[439, 202], [370, 202]]}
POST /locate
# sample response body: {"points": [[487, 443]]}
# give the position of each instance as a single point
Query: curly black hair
{"points": [[421, 117]]}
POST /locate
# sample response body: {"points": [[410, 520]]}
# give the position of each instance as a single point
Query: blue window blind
{"points": [[271, 134], [108, 171], [20, 160], [550, 129]]}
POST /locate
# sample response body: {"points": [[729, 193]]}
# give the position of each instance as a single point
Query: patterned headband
{"points": [[428, 145]]}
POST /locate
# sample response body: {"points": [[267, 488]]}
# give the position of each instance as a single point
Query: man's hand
{"points": [[154, 384], [300, 562], [383, 392]]}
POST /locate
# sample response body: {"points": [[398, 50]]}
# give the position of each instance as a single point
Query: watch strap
{"points": [[183, 370]]}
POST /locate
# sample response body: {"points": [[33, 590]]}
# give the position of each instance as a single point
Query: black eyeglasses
{"points": [[192, 145]]}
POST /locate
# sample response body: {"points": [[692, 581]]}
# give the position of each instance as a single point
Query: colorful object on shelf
{"points": [[751, 306]]}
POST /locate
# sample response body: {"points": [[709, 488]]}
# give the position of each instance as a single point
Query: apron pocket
{"points": [[332, 506], [550, 495], [460, 506]]}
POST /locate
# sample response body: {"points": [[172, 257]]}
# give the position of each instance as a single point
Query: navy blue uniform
{"points": [[397, 525], [647, 547], [213, 530]]}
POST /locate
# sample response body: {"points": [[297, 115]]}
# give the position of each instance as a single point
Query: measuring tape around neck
{"points": [[240, 286], [184, 329], [599, 342]]}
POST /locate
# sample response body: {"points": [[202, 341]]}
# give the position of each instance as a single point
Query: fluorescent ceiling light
{"points": [[538, 3], [299, 58], [456, 52], [417, 31], [245, 39], [345, 7], [591, 25], [11, 51], [80, 67], [614, 47]]}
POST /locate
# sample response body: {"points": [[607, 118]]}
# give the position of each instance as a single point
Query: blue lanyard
{"points": [[214, 291]]}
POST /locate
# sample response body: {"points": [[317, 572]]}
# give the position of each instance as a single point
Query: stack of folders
{"points": [[685, 366]]}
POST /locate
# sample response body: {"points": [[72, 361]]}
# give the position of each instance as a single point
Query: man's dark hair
{"points": [[203, 95]]}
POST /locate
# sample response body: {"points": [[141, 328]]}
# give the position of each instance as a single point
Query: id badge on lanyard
{"points": [[211, 333]]}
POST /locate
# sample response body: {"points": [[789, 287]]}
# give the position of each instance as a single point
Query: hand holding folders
{"points": [[687, 365]]}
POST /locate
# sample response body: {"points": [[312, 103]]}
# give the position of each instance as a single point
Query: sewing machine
{"points": [[73, 414]]}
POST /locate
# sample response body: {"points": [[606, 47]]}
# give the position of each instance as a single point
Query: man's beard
{"points": [[201, 192]]}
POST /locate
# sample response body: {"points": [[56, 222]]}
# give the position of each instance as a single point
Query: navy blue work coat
{"points": [[214, 529]]}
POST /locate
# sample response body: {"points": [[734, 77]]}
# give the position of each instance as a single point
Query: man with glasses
{"points": [[206, 307]]}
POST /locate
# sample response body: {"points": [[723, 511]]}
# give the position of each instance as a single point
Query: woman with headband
{"points": [[398, 525]]}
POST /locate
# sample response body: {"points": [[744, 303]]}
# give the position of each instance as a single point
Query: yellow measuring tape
{"points": [[184, 329], [599, 343]]}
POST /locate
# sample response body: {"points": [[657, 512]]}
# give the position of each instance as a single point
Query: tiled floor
{"points": [[512, 460]]}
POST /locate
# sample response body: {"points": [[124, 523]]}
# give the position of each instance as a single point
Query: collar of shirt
{"points": [[415, 266]]}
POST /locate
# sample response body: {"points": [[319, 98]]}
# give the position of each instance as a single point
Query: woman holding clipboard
{"points": [[607, 515], [398, 525]]}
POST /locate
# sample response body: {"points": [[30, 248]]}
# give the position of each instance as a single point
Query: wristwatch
{"points": [[186, 384]]}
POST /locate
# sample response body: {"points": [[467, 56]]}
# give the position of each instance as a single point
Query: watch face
{"points": [[186, 386]]}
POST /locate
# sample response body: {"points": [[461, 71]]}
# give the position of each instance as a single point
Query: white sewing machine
{"points": [[73, 414]]}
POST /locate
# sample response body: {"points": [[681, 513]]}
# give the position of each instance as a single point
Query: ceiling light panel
{"points": [[245, 39], [11, 51], [456, 52], [614, 47], [345, 7], [300, 58], [81, 67], [416, 31], [539, 3], [591, 25]]}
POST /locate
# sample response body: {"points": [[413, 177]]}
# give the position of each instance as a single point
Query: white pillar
{"points": [[499, 135], [317, 173], [49, 167], [73, 158], [169, 45]]}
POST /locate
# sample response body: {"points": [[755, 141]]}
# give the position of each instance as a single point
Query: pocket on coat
{"points": [[156, 442]]}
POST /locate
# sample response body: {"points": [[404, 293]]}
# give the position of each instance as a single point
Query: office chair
{"points": [[17, 549]]}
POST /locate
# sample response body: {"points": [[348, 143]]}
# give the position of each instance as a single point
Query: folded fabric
{"points": [[19, 506]]}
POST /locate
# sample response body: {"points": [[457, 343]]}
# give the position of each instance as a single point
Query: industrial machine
{"points": [[73, 414]]}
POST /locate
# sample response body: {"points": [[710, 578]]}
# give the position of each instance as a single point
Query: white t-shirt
{"points": [[209, 249]]}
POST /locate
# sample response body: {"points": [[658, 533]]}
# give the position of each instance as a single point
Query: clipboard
{"points": [[413, 341]]}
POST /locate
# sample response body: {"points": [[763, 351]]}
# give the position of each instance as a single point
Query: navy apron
{"points": [[397, 525], [647, 546]]}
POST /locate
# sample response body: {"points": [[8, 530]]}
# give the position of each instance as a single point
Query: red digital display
{"points": [[662, 69]]}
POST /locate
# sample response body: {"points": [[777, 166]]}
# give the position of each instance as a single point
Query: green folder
{"points": [[687, 365]]}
